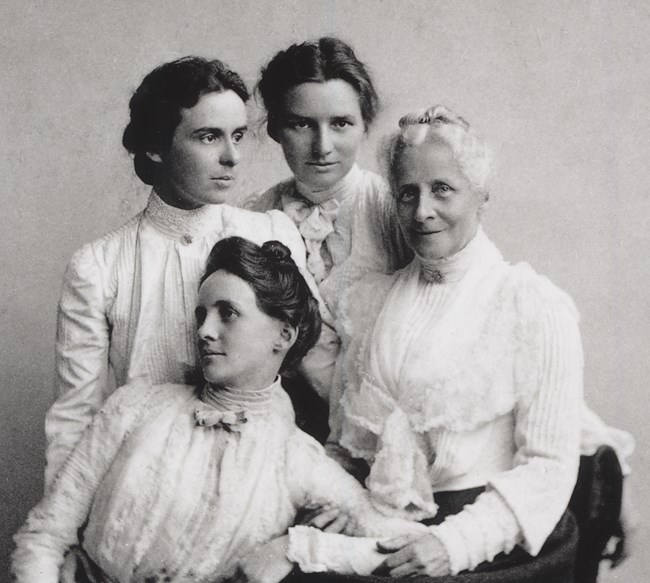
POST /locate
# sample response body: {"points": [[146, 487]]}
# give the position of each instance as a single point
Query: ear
{"points": [[286, 338], [154, 156]]}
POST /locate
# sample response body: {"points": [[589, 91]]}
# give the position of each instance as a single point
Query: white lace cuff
{"points": [[315, 551], [478, 533]]}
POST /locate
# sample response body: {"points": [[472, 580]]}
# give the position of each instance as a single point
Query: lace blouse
{"points": [[173, 486], [127, 309], [475, 380], [355, 232]]}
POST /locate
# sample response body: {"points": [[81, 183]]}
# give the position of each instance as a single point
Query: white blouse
{"points": [[355, 232], [475, 381], [127, 309], [174, 486]]}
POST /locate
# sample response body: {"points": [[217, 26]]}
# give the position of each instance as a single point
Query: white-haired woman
{"points": [[462, 378]]}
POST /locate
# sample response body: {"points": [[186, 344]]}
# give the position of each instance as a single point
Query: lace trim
{"points": [[183, 225]]}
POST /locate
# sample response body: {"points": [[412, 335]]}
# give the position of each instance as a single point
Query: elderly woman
{"points": [[179, 483], [462, 378]]}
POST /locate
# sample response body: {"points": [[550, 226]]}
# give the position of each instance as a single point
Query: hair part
{"points": [[438, 124], [316, 61], [280, 289], [155, 107]]}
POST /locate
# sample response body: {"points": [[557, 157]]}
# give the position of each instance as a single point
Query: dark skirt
{"points": [[554, 563]]}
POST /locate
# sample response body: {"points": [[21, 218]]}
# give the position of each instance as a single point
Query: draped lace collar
{"points": [[181, 224]]}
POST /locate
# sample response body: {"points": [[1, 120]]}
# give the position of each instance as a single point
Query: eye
{"points": [[407, 194], [238, 136], [199, 314], [298, 123], [442, 190], [341, 124], [227, 313], [209, 138]]}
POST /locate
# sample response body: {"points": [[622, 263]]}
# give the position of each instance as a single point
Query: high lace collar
{"points": [[230, 399], [184, 225], [338, 191], [451, 269]]}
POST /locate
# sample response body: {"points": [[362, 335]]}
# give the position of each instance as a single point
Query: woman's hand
{"points": [[424, 555], [325, 517], [266, 563]]}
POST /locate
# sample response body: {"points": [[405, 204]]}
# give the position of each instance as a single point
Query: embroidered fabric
{"points": [[473, 381], [127, 309]]}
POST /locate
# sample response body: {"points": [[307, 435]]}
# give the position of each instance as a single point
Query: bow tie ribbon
{"points": [[231, 421], [315, 222]]}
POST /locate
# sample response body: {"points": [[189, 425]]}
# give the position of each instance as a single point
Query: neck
{"points": [[229, 398], [451, 268], [337, 191], [170, 195]]}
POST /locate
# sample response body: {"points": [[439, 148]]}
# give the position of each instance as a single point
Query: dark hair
{"points": [[156, 104], [279, 287], [317, 61]]}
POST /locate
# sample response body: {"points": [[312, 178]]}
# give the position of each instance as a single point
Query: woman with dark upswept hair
{"points": [[128, 298], [181, 483]]}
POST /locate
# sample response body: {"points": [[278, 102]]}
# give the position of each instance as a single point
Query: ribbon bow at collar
{"points": [[315, 222], [231, 421]]}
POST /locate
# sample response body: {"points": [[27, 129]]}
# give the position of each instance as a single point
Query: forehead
{"points": [[223, 109], [427, 162], [224, 286], [334, 98]]}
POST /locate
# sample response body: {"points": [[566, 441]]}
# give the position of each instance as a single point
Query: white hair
{"points": [[440, 124]]}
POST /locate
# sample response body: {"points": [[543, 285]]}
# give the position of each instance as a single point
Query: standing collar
{"points": [[181, 224]]}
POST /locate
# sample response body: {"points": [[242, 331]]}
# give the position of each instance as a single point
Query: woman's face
{"points": [[239, 345], [437, 206], [199, 166], [320, 130]]}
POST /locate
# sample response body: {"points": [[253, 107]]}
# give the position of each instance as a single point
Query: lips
{"points": [[205, 351], [423, 233], [322, 164]]}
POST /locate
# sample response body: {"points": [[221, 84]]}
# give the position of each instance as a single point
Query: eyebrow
{"points": [[218, 131]]}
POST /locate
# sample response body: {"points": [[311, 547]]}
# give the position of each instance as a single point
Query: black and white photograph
{"points": [[324, 291]]}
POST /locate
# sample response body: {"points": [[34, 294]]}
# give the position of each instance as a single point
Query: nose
{"points": [[230, 155], [322, 141], [425, 209], [209, 329]]}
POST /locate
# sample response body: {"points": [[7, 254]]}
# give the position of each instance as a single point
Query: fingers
{"points": [[338, 524], [393, 544], [323, 518]]}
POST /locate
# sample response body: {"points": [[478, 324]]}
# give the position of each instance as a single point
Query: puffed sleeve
{"points": [[318, 364], [51, 526], [82, 343], [524, 504]]}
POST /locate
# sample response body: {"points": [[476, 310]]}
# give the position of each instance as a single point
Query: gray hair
{"points": [[439, 124]]}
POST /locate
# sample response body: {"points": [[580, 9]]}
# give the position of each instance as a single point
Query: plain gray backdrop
{"points": [[560, 88]]}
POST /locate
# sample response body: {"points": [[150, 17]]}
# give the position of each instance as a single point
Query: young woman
{"points": [[193, 483], [321, 103], [128, 299]]}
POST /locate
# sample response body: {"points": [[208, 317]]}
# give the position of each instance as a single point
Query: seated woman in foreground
{"points": [[182, 483], [462, 379]]}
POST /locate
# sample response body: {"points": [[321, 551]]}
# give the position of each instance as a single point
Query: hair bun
{"points": [[438, 114], [277, 252]]}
